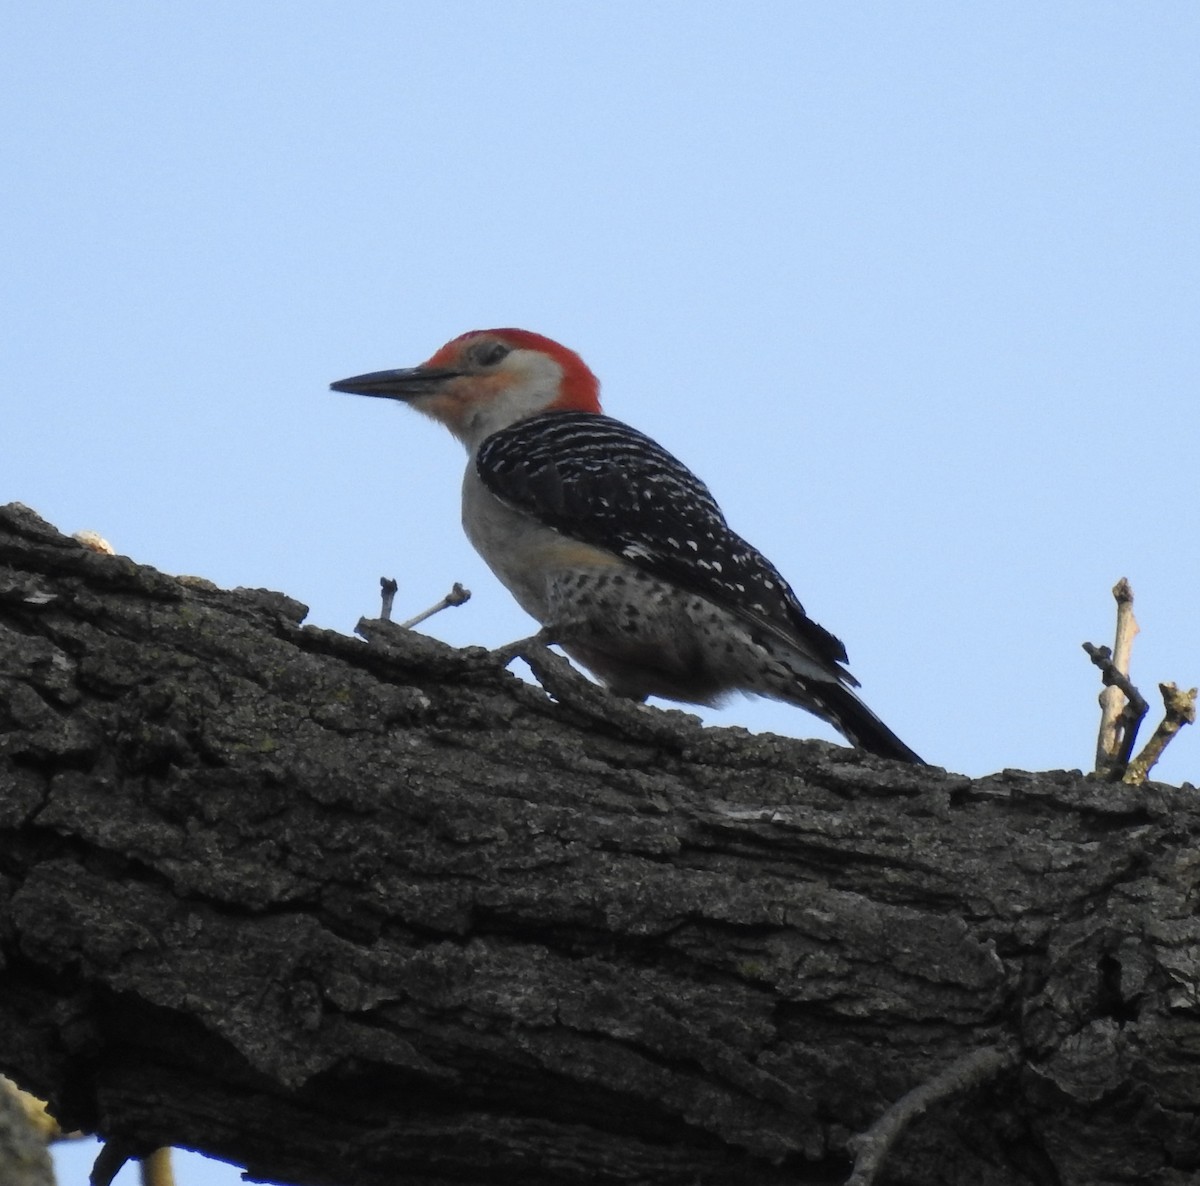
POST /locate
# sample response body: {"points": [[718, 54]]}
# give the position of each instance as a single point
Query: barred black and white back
{"points": [[739, 626]]}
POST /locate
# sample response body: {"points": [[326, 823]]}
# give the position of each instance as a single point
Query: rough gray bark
{"points": [[353, 914]]}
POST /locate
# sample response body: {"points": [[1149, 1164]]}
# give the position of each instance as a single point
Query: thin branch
{"points": [[1118, 725], [109, 1162], [1132, 714], [871, 1147], [1181, 710], [156, 1168], [457, 596]]}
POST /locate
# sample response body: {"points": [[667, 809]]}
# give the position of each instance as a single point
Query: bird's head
{"points": [[487, 379]]}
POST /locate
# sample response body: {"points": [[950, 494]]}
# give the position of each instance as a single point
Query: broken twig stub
{"points": [[387, 594], [1180, 710], [1118, 726]]}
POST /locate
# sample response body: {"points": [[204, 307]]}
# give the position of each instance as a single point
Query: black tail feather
{"points": [[860, 726]]}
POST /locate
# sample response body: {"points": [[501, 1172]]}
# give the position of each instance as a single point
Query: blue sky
{"points": [[912, 286]]}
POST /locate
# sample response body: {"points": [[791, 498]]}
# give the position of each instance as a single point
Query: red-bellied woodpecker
{"points": [[617, 548]]}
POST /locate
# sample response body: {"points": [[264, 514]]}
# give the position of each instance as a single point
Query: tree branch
{"points": [[871, 1149], [1121, 705], [1120, 731], [375, 912], [1180, 710]]}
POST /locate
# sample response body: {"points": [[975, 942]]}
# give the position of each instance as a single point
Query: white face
{"points": [[528, 381]]}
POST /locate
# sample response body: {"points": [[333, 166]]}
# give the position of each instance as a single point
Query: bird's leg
{"points": [[564, 682], [573, 690], [554, 672], [538, 643]]}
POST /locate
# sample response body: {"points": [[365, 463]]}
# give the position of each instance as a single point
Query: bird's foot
{"points": [[524, 647], [566, 684]]}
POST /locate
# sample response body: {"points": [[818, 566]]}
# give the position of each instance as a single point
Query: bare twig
{"points": [[156, 1169], [457, 596], [1131, 716], [871, 1147], [1118, 726], [387, 591], [109, 1161], [1181, 710]]}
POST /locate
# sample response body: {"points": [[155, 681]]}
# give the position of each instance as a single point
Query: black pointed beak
{"points": [[409, 383]]}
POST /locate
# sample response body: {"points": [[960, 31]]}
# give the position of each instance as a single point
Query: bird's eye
{"points": [[492, 353]]}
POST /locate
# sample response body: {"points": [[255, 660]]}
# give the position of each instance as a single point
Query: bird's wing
{"points": [[596, 479]]}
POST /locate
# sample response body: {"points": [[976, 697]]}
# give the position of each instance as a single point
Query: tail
{"points": [[857, 723]]}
